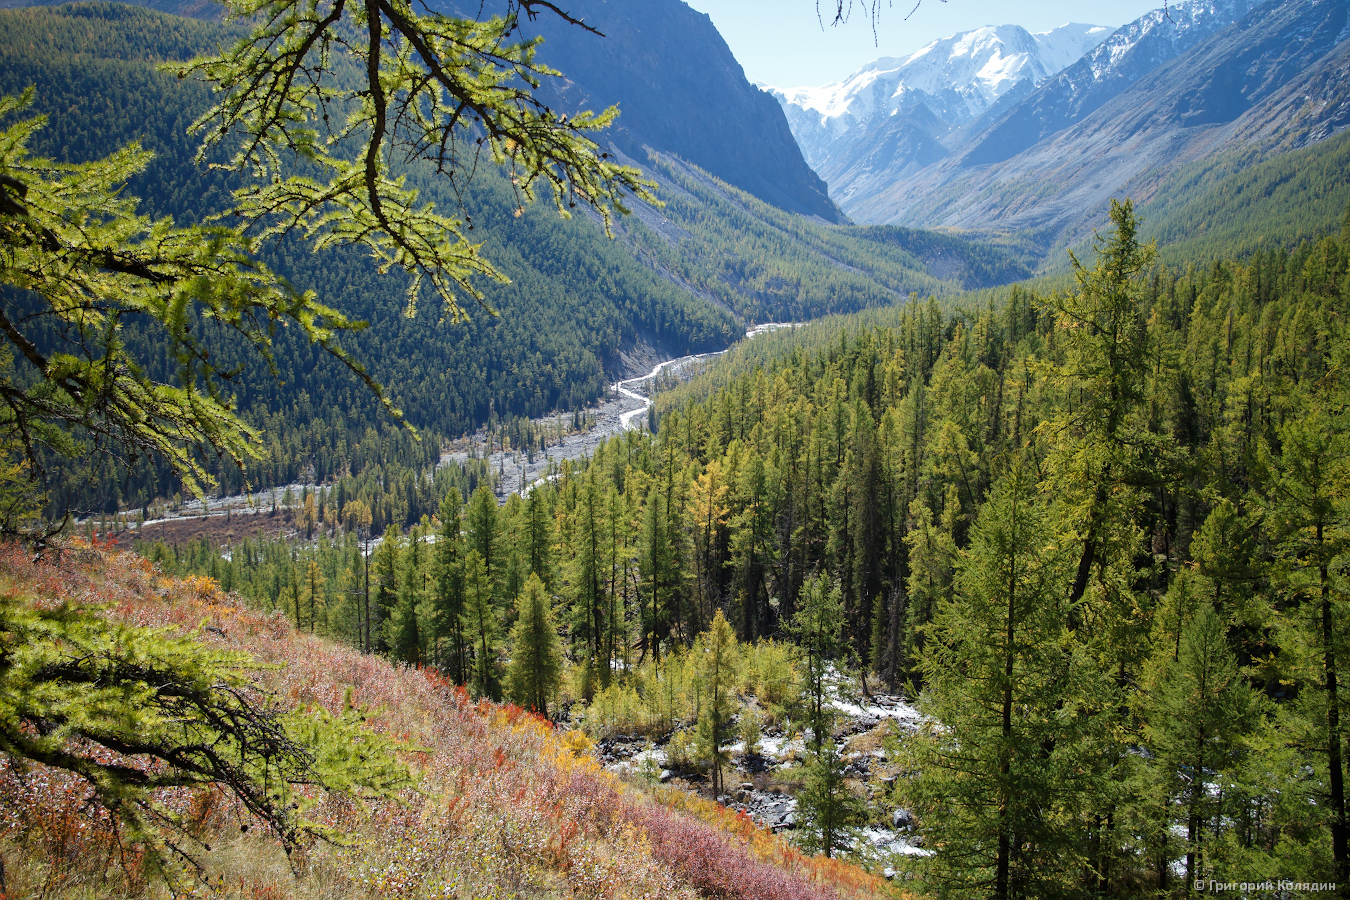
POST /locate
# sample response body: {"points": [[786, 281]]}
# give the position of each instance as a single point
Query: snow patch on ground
{"points": [[886, 841]]}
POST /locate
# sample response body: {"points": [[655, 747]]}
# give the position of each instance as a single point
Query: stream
{"points": [[517, 471]]}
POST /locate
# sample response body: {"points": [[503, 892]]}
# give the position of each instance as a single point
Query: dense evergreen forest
{"points": [[1239, 202], [576, 300], [1101, 533]]}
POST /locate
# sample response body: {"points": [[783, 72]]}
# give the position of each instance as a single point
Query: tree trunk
{"points": [[1340, 833]]}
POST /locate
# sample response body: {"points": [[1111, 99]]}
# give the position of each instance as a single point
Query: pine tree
{"points": [[535, 671], [1105, 373], [482, 532], [1195, 721], [448, 588], [481, 616], [588, 614], [405, 642], [1310, 519], [388, 559], [314, 589], [829, 810]]}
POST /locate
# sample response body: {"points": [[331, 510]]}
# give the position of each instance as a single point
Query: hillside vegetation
{"points": [[577, 302], [500, 804], [1058, 521]]}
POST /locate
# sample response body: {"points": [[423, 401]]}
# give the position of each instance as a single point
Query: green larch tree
{"points": [[817, 630], [715, 658], [535, 670], [1000, 782], [828, 808], [482, 531]]}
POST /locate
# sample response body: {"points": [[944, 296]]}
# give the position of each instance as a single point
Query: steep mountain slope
{"points": [[680, 91], [576, 307], [945, 84], [1276, 79]]}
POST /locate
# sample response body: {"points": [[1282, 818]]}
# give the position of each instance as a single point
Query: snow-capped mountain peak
{"points": [[957, 78]]}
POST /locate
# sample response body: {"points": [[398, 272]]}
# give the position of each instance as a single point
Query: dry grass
{"points": [[504, 807]]}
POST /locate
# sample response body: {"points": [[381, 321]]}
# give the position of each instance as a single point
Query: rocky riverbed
{"points": [[623, 408], [763, 781]]}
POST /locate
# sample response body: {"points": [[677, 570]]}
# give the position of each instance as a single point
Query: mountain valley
{"points": [[1167, 91], [417, 481]]}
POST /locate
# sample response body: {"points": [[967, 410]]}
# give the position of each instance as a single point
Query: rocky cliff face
{"points": [[680, 91], [1277, 78], [1206, 77]]}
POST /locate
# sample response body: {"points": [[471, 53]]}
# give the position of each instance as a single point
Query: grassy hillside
{"points": [[503, 806]]}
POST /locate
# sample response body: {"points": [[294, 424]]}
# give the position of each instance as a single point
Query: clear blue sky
{"points": [[781, 42]]}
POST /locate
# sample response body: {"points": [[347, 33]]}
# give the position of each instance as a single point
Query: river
{"points": [[623, 410]]}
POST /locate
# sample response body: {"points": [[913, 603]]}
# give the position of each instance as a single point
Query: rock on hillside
{"points": [[680, 91]]}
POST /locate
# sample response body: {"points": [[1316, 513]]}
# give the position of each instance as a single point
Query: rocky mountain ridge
{"points": [[945, 84], [1177, 86]]}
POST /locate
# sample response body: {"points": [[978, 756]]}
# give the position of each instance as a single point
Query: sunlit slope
{"points": [[502, 805]]}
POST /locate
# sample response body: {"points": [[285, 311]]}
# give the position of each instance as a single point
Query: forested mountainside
{"points": [[1236, 203], [1060, 520], [576, 303]]}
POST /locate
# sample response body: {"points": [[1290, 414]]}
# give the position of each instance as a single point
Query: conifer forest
{"points": [[347, 550]]}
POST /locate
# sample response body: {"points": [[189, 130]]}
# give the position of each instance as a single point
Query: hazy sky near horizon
{"points": [[781, 42]]}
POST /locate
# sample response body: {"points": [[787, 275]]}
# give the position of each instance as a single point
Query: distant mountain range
{"points": [[946, 84], [1050, 147]]}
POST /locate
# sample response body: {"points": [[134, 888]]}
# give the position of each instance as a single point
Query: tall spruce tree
{"points": [[1196, 716], [535, 671], [481, 615], [448, 585]]}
